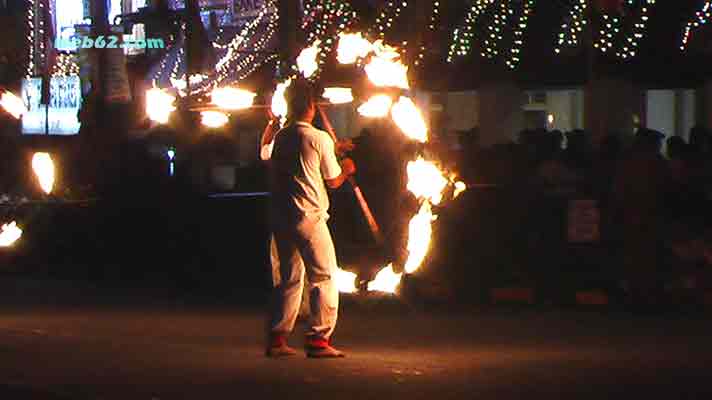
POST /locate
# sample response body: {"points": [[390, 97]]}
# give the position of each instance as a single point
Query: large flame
{"points": [[384, 70], [420, 232], [279, 102], [377, 106], [426, 181], [387, 280], [231, 98], [352, 46], [214, 119], [159, 105], [13, 104], [43, 166], [345, 281], [409, 119], [307, 61], [338, 95], [9, 234]]}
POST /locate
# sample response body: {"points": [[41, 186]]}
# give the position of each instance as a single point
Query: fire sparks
{"points": [[410, 120], [159, 105], [384, 71], [279, 102], [338, 95], [43, 166], [232, 98], [387, 280], [307, 60], [352, 46], [345, 281], [426, 181], [214, 119], [9, 234], [377, 106], [13, 104]]}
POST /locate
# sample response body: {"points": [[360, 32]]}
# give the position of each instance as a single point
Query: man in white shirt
{"points": [[303, 164]]}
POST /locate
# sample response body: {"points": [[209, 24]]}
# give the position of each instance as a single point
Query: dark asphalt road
{"points": [[393, 353]]}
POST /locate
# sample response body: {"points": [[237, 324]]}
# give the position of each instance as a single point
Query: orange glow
{"points": [[9, 234], [377, 106], [345, 281], [231, 98], [13, 105], [386, 281], [338, 95], [159, 105], [352, 46], [214, 119], [409, 119], [307, 60], [279, 102], [43, 167]]}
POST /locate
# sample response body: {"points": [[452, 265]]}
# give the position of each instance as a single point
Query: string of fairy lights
{"points": [[432, 27], [241, 54], [490, 23], [30, 40], [514, 57], [572, 28], [328, 18], [65, 65], [387, 17], [702, 17], [463, 36]]}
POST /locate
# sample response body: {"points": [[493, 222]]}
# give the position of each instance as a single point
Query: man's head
{"points": [[300, 98]]}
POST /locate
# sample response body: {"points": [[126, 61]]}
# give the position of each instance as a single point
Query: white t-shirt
{"points": [[302, 158]]}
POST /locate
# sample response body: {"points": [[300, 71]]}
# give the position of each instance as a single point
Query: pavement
{"points": [[394, 351]]}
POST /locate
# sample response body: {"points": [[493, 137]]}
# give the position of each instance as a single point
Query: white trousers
{"points": [[306, 250]]}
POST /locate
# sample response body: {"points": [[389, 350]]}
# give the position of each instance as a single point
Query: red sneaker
{"points": [[321, 348], [278, 347]]}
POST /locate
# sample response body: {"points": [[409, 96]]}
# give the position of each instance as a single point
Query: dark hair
{"points": [[300, 98]]}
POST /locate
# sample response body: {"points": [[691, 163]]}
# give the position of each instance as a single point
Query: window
{"points": [[65, 100], [72, 13]]}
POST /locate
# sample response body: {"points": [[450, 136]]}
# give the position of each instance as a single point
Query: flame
{"points": [[307, 60], [345, 281], [9, 234], [426, 181], [43, 166], [384, 70], [377, 106], [386, 281], [159, 105], [13, 104], [232, 98], [338, 95], [409, 119], [420, 232], [279, 102], [214, 119], [352, 46], [459, 188]]}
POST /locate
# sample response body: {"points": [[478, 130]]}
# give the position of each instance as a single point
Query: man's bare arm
{"points": [[348, 168]]}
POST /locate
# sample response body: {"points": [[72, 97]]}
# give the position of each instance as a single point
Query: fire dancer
{"points": [[303, 159]]}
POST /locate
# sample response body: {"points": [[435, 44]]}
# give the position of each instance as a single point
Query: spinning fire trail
{"points": [[389, 96]]}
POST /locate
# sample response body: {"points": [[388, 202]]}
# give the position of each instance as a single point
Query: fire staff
{"points": [[303, 163]]}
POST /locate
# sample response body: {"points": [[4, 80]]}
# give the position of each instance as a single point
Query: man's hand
{"points": [[348, 167], [344, 146]]}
